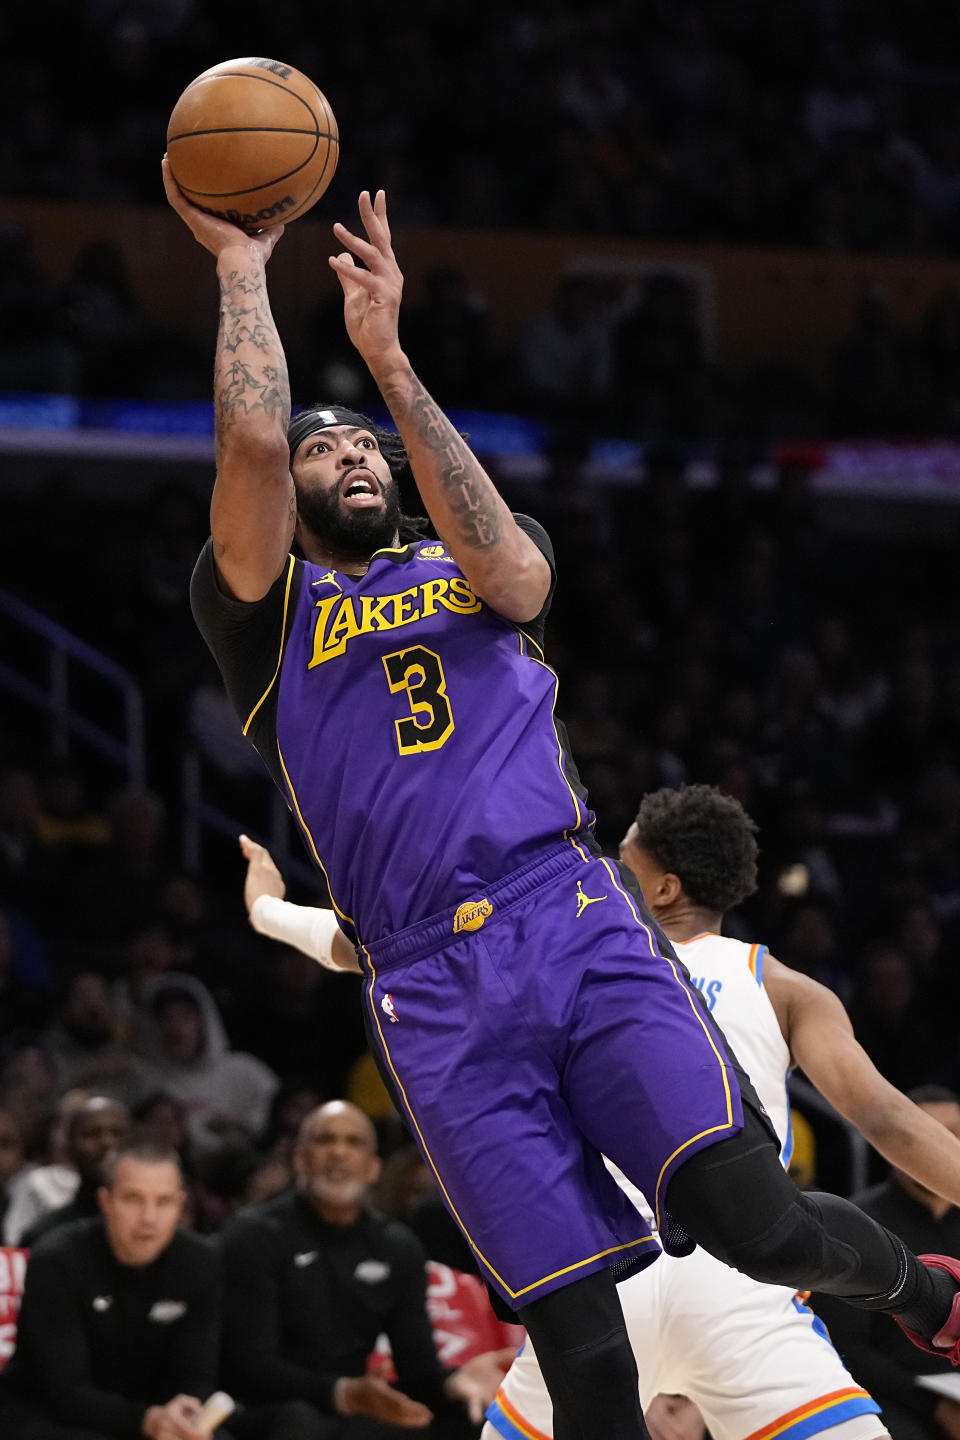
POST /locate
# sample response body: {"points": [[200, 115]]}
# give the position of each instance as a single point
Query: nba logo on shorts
{"points": [[386, 1005]]}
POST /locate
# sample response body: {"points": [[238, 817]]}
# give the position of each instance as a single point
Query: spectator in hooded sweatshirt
{"points": [[227, 1093]]}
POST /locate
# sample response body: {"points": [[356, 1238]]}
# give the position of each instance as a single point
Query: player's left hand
{"points": [[371, 296], [478, 1380], [263, 877]]}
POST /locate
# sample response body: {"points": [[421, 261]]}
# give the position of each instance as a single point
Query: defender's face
{"points": [[342, 481], [645, 868]]}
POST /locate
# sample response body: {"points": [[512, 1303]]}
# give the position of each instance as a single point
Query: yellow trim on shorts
{"points": [[283, 632], [514, 1294], [714, 1129], [313, 848]]}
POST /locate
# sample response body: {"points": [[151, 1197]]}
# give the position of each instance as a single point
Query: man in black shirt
{"points": [[94, 1130], [878, 1355], [119, 1330], [313, 1277]]}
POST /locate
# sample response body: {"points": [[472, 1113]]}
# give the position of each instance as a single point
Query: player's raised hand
{"points": [[371, 295], [212, 233], [263, 877]]}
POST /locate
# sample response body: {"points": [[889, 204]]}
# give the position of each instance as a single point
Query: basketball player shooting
{"points": [[397, 692]]}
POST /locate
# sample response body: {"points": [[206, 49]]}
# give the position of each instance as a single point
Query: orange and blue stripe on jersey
{"points": [[806, 1420], [820, 1414], [508, 1422], [755, 962]]}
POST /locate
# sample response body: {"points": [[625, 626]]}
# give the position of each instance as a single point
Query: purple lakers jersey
{"points": [[410, 727]]}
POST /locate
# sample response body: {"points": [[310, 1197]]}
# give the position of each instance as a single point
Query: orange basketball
{"points": [[254, 142]]}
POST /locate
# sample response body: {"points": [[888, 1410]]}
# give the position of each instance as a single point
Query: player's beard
{"points": [[350, 532]]}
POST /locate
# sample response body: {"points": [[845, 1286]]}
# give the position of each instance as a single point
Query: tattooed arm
{"points": [[252, 513], [503, 565]]}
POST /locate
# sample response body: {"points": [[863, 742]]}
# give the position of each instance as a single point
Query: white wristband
{"points": [[306, 927]]}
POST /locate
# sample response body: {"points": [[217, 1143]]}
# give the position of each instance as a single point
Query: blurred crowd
{"points": [[628, 354], [833, 126]]}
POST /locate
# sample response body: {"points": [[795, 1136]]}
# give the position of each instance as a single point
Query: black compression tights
{"points": [[737, 1201], [586, 1360]]}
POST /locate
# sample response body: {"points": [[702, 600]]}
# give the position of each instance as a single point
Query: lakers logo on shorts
{"points": [[471, 915]]}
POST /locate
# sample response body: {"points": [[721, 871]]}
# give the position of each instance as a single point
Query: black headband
{"points": [[321, 418]]}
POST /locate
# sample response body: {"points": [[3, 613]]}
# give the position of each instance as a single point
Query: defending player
{"points": [[752, 1358], [529, 1016]]}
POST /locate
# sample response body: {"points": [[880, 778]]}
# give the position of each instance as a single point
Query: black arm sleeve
{"points": [[544, 544], [253, 1325], [51, 1331], [246, 639]]}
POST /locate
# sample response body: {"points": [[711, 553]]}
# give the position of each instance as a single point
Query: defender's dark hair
{"points": [[320, 417], [706, 839]]}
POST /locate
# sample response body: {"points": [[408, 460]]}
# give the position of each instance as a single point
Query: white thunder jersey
{"points": [[753, 1358], [729, 976]]}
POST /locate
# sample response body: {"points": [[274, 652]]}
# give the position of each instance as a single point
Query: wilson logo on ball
{"points": [[274, 67], [247, 221]]}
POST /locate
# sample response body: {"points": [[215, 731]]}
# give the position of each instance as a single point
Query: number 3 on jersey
{"points": [[419, 672]]}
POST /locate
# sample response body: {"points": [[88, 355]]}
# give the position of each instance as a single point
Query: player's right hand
{"points": [[263, 877], [371, 1396], [212, 233], [372, 290]]}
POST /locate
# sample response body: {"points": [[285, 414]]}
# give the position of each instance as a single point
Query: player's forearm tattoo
{"points": [[466, 488], [251, 372]]}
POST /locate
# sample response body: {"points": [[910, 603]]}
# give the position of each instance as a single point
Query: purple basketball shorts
{"points": [[527, 1033]]}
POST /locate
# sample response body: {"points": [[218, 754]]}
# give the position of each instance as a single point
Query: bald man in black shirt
{"points": [[313, 1278]]}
